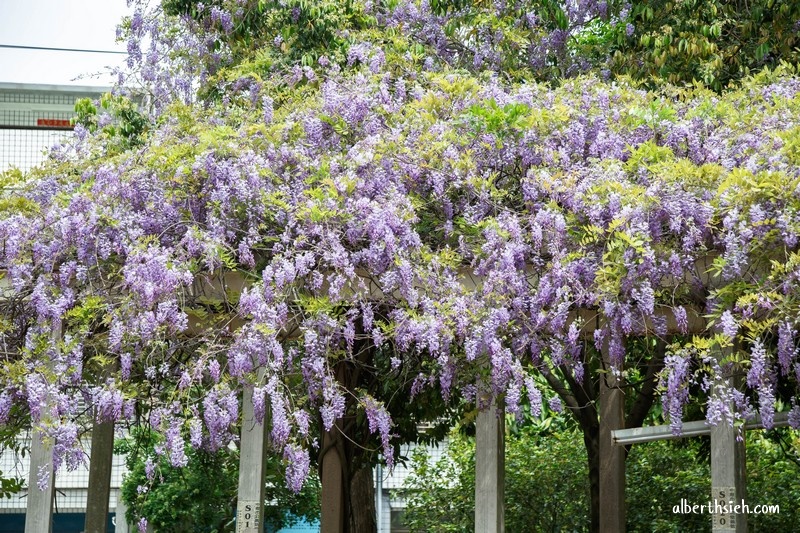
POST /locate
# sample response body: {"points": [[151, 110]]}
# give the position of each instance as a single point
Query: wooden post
{"points": [[727, 473], [99, 477], [252, 458], [612, 458], [490, 471], [331, 475]]}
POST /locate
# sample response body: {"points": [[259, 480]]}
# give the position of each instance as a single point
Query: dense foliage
{"points": [[441, 494], [367, 237], [546, 487], [201, 497], [197, 498], [713, 42]]}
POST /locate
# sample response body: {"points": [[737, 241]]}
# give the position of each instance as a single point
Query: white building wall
{"points": [[71, 487], [28, 114], [394, 483]]}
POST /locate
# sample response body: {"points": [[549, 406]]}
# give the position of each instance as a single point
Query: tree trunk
{"points": [[591, 439], [362, 502], [348, 497], [348, 489], [332, 466], [99, 477]]}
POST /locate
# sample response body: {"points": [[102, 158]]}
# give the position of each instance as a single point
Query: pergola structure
{"points": [[727, 453], [39, 109]]}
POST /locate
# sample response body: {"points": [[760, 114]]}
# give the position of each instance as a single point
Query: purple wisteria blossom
{"points": [[676, 379], [728, 325], [297, 467], [380, 421]]}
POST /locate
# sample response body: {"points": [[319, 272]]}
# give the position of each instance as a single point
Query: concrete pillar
{"points": [[727, 473], [39, 512], [120, 522], [379, 497], [252, 458], [612, 458], [490, 471]]}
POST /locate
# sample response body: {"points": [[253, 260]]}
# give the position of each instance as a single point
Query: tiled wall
{"points": [[71, 487]]}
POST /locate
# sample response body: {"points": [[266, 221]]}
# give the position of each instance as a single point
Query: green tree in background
{"points": [[716, 42], [201, 497], [547, 487], [547, 490]]}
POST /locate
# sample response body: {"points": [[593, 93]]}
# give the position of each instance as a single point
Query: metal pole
{"points": [[695, 428]]}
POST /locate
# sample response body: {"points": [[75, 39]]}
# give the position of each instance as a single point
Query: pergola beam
{"points": [[695, 428]]}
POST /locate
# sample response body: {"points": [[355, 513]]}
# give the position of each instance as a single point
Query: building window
{"points": [[398, 524]]}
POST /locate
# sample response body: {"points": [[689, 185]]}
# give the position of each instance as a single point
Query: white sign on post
{"points": [[724, 501], [248, 517]]}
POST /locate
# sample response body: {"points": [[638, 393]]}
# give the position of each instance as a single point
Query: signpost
{"points": [[252, 459]]}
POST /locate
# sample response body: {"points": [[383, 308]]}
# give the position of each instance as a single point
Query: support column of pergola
{"points": [[490, 470], [612, 458], [727, 470], [252, 459], [39, 512], [100, 464]]}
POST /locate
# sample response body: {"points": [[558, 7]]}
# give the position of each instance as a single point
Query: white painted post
{"points": [[120, 522], [252, 458], [39, 512], [490, 471], [379, 496], [38, 516], [727, 473]]}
